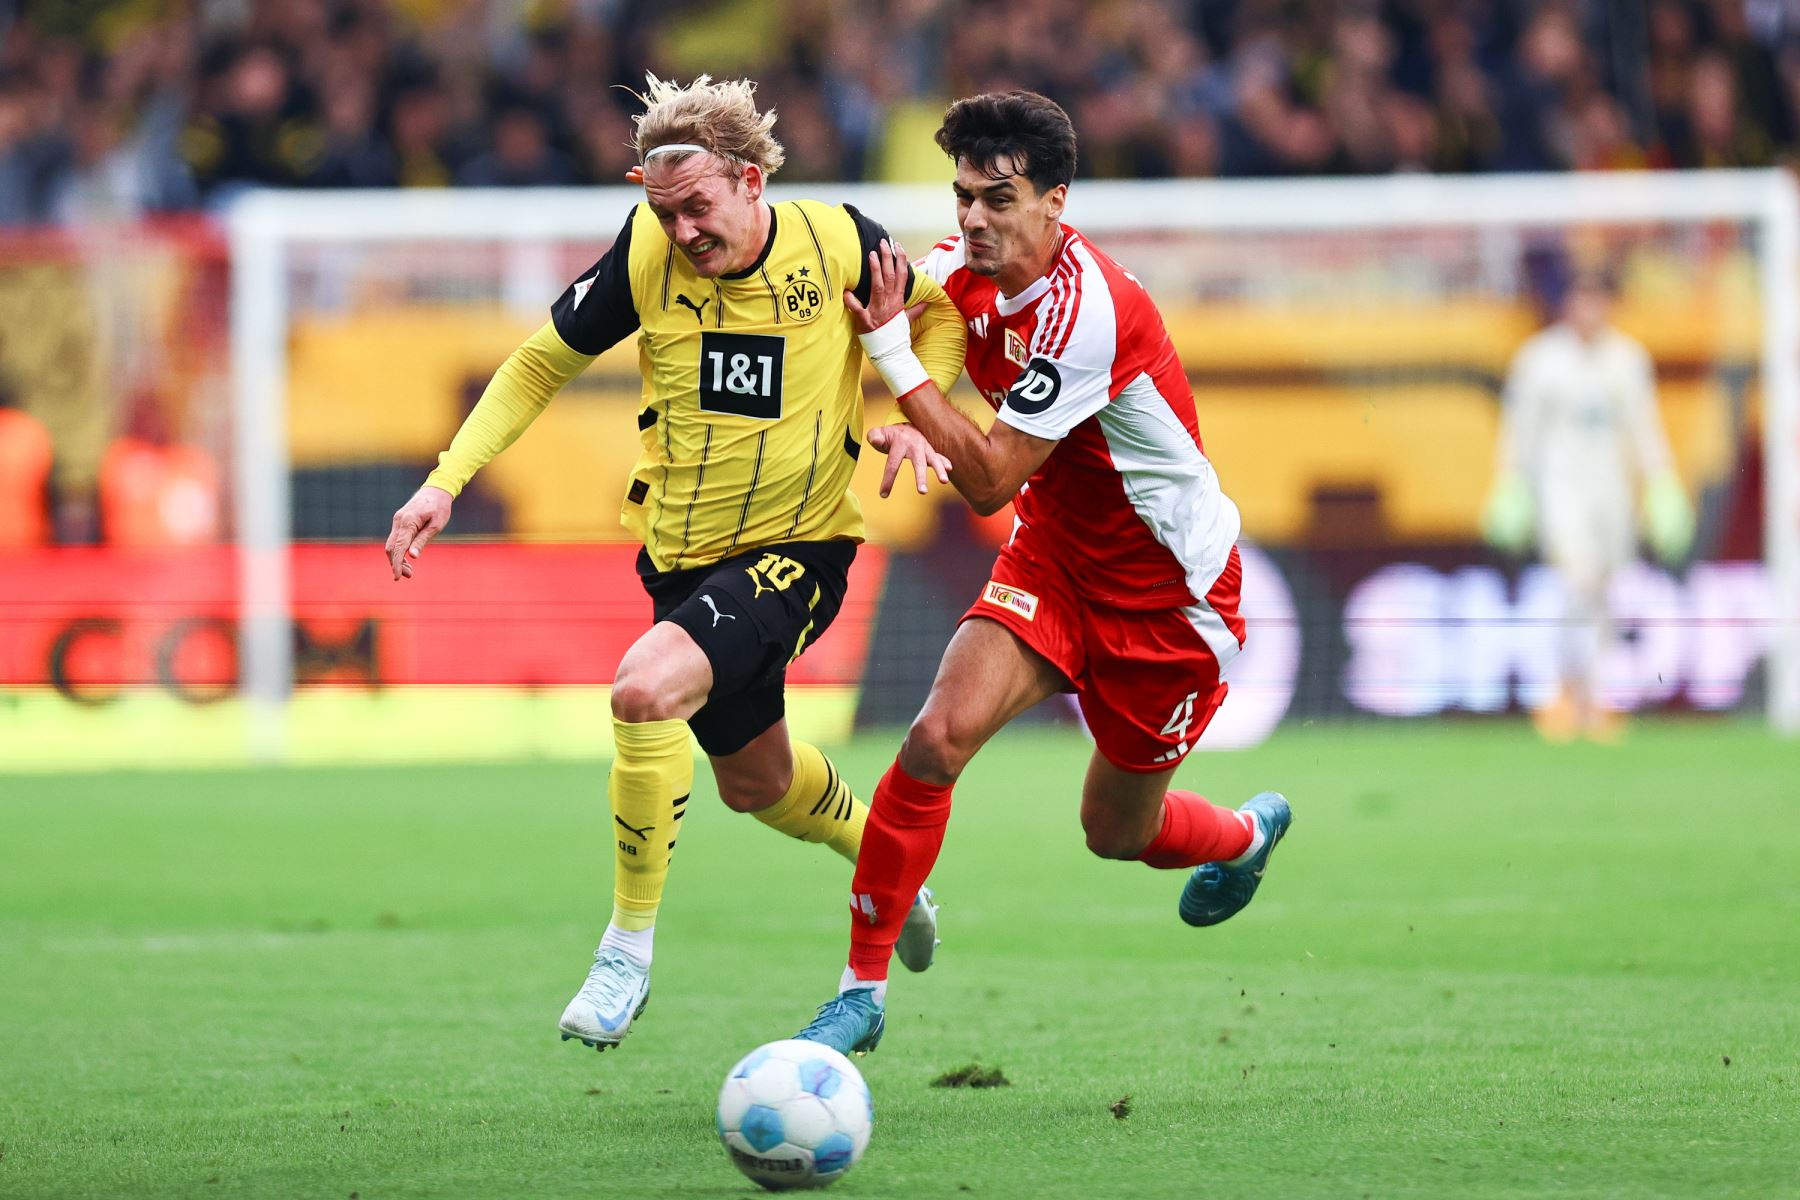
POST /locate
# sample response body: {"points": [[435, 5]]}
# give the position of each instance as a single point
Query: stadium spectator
{"points": [[521, 154], [122, 115], [157, 494], [25, 458]]}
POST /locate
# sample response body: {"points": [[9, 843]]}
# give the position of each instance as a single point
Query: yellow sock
{"points": [[652, 774], [818, 806]]}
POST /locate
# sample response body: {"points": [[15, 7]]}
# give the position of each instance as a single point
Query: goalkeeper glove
{"points": [[1668, 518], [1506, 518]]}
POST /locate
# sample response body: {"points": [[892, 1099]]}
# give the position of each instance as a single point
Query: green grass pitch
{"points": [[1479, 967]]}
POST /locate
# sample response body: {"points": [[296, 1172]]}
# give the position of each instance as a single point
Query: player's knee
{"points": [[935, 751], [638, 696], [1108, 839], [749, 795]]}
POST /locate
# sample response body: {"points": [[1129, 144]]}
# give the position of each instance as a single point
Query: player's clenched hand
{"points": [[903, 442], [418, 521], [887, 289]]}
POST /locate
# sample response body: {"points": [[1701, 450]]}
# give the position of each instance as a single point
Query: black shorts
{"points": [[751, 614]]}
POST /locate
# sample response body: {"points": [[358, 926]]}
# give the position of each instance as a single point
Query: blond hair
{"points": [[721, 117]]}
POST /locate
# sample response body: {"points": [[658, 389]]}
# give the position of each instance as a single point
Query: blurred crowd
{"points": [[120, 107]]}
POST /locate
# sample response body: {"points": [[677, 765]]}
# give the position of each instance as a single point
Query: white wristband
{"points": [[890, 349]]}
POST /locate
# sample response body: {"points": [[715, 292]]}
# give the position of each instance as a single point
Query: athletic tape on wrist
{"points": [[890, 349]]}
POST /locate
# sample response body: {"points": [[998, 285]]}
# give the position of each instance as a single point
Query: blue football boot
{"points": [[850, 1022], [1217, 891]]}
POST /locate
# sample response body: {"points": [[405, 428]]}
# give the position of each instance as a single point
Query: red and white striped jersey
{"points": [[1081, 356]]}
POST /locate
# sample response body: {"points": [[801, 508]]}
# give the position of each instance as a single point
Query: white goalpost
{"points": [[272, 233]]}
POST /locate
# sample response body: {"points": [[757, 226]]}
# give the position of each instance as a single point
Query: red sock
{"points": [[1195, 832], [899, 845]]}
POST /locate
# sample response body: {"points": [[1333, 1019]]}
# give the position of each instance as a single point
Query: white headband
{"points": [[679, 148]]}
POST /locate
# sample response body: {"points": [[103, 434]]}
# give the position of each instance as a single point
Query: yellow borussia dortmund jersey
{"points": [[752, 405]]}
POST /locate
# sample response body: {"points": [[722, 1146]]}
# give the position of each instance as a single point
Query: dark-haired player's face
{"points": [[709, 216], [1004, 221]]}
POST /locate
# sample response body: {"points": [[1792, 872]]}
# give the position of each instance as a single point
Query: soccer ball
{"points": [[794, 1114]]}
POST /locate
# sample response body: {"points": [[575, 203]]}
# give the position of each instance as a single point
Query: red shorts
{"points": [[1147, 679]]}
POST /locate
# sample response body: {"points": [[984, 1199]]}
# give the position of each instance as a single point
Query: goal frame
{"points": [[264, 226]]}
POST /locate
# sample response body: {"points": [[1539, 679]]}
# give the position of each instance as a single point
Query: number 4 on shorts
{"points": [[1177, 726]]}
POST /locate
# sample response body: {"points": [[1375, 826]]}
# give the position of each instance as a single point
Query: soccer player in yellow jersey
{"points": [[751, 423]]}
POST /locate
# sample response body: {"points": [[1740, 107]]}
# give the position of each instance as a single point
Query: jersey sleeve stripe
{"points": [[1071, 298], [1068, 329], [1047, 315], [1056, 311]]}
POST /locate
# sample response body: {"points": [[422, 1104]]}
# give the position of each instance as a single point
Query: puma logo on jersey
{"points": [[1005, 596], [979, 325], [699, 308], [708, 601], [582, 288], [642, 834]]}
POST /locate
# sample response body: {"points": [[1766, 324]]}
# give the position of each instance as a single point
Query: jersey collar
{"points": [[1006, 306]]}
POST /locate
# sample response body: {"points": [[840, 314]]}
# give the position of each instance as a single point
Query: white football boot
{"points": [[615, 993], [918, 941]]}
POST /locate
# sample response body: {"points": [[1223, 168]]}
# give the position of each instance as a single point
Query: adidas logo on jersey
{"points": [[979, 325]]}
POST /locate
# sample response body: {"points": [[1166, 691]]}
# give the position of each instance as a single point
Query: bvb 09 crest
{"points": [[801, 298]]}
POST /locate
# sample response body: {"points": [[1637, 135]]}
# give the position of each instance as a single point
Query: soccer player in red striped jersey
{"points": [[1120, 581]]}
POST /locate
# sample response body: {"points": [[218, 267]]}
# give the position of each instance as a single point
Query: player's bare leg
{"points": [[754, 779], [987, 677], [1122, 811], [792, 787], [1135, 815], [661, 682]]}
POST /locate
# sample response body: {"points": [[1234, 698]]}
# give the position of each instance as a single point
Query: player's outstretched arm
{"points": [[518, 392], [989, 467]]}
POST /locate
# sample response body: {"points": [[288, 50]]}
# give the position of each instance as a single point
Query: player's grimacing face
{"points": [[709, 216], [1003, 218]]}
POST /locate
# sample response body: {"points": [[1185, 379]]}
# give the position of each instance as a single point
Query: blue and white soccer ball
{"points": [[794, 1114]]}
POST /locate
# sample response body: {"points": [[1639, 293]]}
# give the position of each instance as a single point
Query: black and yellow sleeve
{"points": [[939, 338], [597, 310], [870, 235]]}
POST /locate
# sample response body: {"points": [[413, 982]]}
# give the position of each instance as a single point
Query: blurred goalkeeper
{"points": [[1580, 439], [751, 422]]}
